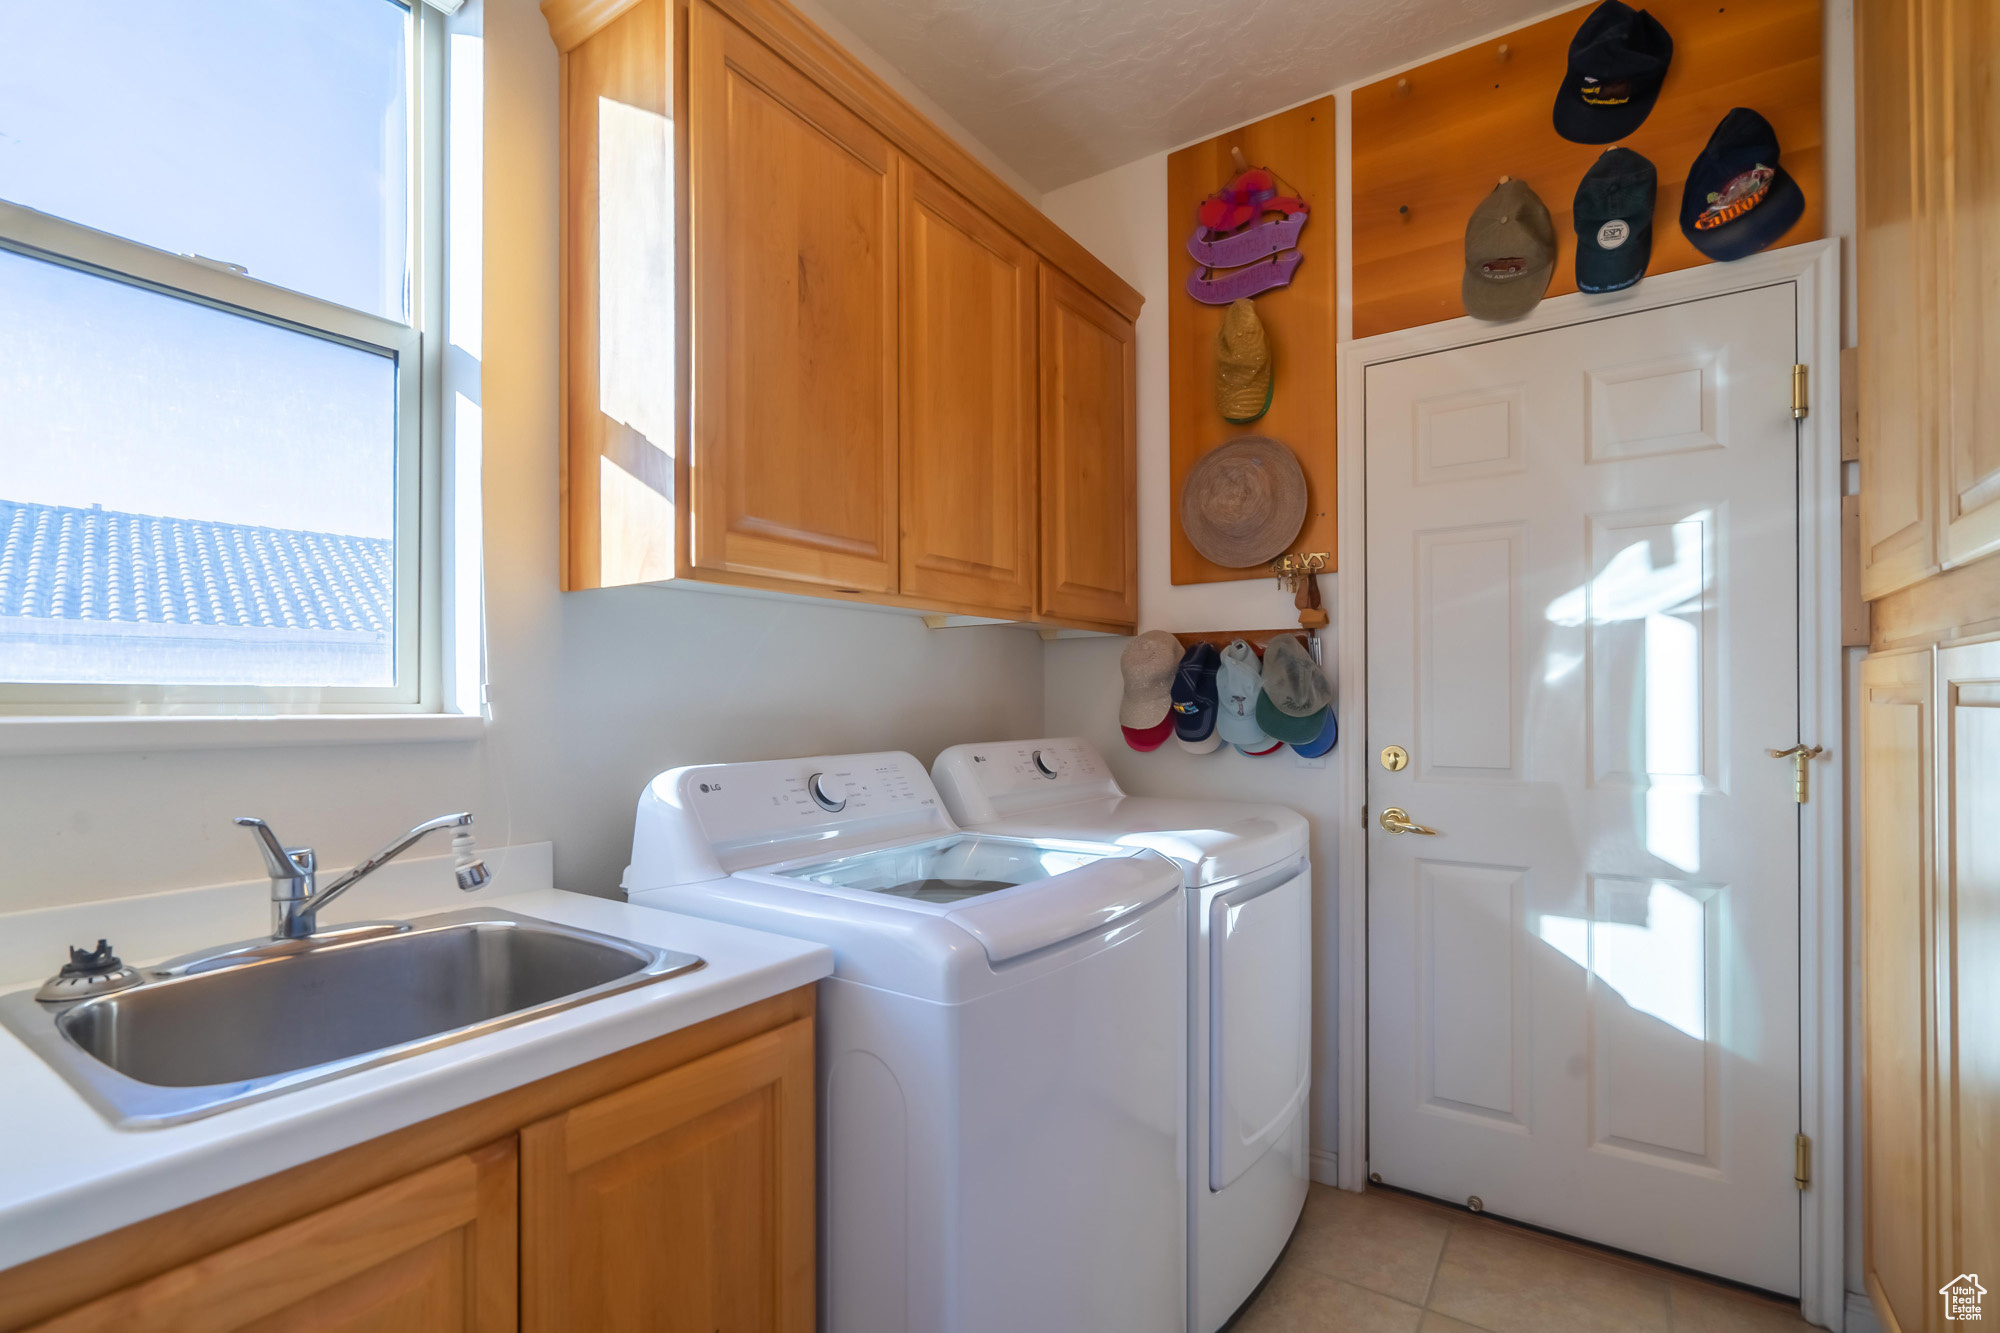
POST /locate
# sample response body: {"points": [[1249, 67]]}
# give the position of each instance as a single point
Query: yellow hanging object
{"points": [[1242, 365]]}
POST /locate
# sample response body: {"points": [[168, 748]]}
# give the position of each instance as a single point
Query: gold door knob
{"points": [[1397, 820], [1800, 755]]}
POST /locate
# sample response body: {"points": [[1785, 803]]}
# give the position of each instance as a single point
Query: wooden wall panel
{"points": [[1430, 143], [1299, 319]]}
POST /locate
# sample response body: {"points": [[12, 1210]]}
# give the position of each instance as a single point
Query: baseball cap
{"points": [[1148, 665], [1617, 62], [1510, 254], [1738, 199], [1614, 221], [1237, 682], [1194, 696], [1149, 738], [1295, 696], [1270, 747]]}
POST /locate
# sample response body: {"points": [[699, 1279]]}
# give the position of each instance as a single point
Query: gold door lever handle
{"points": [[1800, 755], [1397, 820]]}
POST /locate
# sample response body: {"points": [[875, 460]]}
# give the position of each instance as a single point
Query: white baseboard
{"points": [[1860, 1315], [1325, 1167]]}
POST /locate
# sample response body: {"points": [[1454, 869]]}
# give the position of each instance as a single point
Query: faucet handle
{"points": [[282, 862]]}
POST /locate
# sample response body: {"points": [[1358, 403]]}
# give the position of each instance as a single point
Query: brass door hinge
{"points": [[1799, 396], [1802, 1164]]}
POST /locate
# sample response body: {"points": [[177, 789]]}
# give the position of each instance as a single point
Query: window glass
{"points": [[273, 137], [188, 495]]}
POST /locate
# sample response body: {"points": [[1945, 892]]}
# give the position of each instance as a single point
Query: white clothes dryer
{"points": [[1001, 1047], [1248, 879]]}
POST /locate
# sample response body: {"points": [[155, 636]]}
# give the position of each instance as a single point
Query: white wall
{"points": [[592, 692]]}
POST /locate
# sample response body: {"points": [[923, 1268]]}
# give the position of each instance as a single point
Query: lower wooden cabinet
{"points": [[1930, 754], [430, 1253], [667, 1187], [681, 1203]]}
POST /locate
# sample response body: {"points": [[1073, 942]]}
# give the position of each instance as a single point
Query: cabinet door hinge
{"points": [[1364, 816], [1799, 396], [1802, 1164]]}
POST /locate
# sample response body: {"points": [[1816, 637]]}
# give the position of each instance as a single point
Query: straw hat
{"points": [[1242, 365], [1244, 502]]}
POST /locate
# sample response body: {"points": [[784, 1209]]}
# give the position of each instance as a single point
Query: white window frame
{"points": [[416, 350]]}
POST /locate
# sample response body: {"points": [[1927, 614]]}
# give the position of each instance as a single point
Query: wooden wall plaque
{"points": [[1429, 144], [1299, 320]]}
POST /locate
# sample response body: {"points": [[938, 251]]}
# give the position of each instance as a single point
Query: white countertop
{"points": [[66, 1175]]}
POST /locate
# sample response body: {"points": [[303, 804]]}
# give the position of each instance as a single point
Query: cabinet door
{"points": [[1090, 459], [794, 321], [1896, 303], [682, 1204], [968, 387], [429, 1253], [1968, 958], [1963, 42], [1898, 904]]}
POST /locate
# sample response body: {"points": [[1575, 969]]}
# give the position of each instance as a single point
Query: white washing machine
{"points": [[1249, 957], [1002, 1045]]}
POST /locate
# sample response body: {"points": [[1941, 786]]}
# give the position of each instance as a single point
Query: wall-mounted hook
{"points": [[1236, 156]]}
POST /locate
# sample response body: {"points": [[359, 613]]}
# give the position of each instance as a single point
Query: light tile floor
{"points": [[1385, 1263]]}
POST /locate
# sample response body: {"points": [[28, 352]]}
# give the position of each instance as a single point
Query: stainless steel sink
{"points": [[247, 1024]]}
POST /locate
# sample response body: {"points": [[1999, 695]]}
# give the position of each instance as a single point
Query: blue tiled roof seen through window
{"points": [[101, 565]]}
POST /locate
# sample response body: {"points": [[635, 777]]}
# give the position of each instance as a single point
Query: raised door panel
{"points": [[1895, 301], [621, 426], [1968, 925], [1090, 459], [682, 1204], [431, 1253], [794, 322], [1898, 903], [1964, 42], [968, 404]]}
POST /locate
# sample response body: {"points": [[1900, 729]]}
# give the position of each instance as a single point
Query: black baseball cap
{"points": [[1617, 62], [1614, 221], [1194, 709], [1738, 199]]}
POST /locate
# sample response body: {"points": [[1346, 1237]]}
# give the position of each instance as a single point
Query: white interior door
{"points": [[1582, 627]]}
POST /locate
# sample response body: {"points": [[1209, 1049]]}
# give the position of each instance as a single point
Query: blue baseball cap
{"points": [[1194, 694], [1617, 62], [1738, 199]]}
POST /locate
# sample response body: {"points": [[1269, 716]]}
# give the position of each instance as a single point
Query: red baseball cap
{"points": [[1150, 738]]}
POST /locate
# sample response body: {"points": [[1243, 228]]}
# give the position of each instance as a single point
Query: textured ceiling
{"points": [[1064, 89]]}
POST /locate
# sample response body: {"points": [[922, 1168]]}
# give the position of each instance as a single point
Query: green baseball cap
{"points": [[1510, 253], [1293, 704]]}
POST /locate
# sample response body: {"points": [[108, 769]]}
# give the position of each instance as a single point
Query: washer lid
{"points": [[1013, 895], [1211, 840]]}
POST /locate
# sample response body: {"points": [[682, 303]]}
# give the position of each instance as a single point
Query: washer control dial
{"points": [[1045, 764], [829, 794]]}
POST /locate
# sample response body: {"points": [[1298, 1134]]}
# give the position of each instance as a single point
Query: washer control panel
{"points": [[982, 782], [781, 799]]}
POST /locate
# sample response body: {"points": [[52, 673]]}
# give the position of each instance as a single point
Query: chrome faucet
{"points": [[295, 899]]}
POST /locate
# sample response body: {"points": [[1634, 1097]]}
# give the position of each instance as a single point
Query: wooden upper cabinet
{"points": [[684, 1203], [431, 1253], [1090, 459], [621, 424], [1964, 39], [1898, 411], [805, 339], [794, 214], [968, 404]]}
